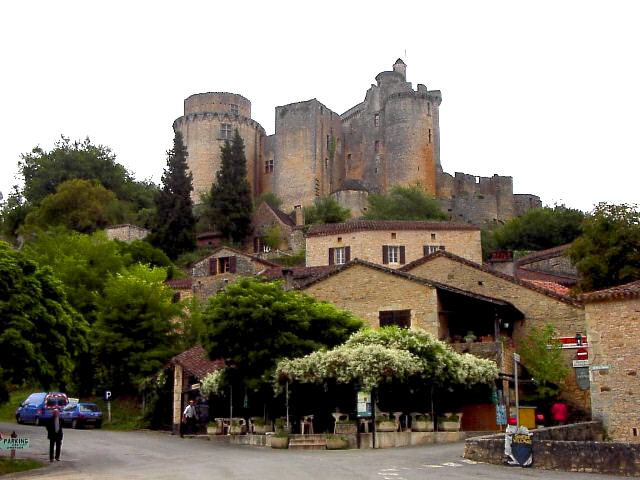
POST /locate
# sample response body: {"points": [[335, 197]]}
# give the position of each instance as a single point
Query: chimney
{"points": [[298, 213]]}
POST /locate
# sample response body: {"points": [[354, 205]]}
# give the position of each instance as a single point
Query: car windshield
{"points": [[56, 401], [68, 408], [89, 408]]}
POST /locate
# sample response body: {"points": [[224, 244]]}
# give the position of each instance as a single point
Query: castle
{"points": [[391, 138]]}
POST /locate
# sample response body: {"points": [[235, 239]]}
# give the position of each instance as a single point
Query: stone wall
{"points": [[126, 233], [613, 328], [576, 448], [371, 291]]}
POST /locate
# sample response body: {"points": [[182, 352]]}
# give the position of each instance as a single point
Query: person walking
{"points": [[189, 416], [54, 434]]}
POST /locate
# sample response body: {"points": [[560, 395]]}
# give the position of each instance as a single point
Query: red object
{"points": [[582, 354], [559, 412], [512, 421], [539, 418]]}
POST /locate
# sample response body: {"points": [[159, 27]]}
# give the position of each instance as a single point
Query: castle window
{"points": [[328, 142], [326, 163], [401, 318], [225, 131], [393, 254], [429, 135], [376, 146], [376, 120], [233, 109], [268, 166]]}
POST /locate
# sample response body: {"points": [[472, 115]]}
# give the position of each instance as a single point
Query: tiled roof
{"points": [[536, 275], [238, 252], [627, 291], [443, 253], [552, 286], [196, 362], [179, 283], [367, 225], [540, 255]]}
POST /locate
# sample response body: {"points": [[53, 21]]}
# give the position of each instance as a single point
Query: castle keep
{"points": [[391, 138]]}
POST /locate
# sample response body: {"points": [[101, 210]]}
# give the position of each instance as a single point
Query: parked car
{"points": [[81, 414], [38, 406]]}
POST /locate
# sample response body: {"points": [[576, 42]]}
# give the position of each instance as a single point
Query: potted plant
{"points": [[215, 427], [260, 425], [337, 442], [470, 337], [346, 427], [449, 422], [237, 426], [422, 423], [281, 426], [279, 440], [386, 424]]}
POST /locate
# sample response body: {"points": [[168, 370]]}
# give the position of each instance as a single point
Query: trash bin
{"points": [[527, 417]]}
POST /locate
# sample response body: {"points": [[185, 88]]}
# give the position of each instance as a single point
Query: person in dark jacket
{"points": [[54, 434]]}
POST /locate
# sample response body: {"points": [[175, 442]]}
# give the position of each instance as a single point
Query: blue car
{"points": [[81, 414], [39, 406]]}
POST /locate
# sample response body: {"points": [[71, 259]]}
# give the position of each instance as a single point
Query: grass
{"points": [[126, 412], [8, 465]]}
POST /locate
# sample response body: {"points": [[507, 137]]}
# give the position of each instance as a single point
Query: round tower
{"points": [[209, 119]]}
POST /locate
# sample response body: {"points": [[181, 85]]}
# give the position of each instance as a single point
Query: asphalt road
{"points": [[101, 454]]}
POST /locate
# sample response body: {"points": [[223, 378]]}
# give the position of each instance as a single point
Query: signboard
{"points": [[599, 367], [14, 443], [518, 446], [579, 341], [582, 354], [582, 377], [580, 363], [363, 407]]}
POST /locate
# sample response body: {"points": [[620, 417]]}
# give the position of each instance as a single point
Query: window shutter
{"points": [[232, 264], [425, 250], [347, 254], [402, 258], [213, 264], [331, 259], [385, 254]]}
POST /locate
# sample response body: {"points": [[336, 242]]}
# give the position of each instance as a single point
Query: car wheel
{"points": [[19, 419], [37, 422], [74, 424]]}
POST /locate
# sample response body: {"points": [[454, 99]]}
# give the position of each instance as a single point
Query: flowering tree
{"points": [[371, 357]]}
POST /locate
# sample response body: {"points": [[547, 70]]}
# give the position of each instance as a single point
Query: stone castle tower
{"points": [[391, 138]]}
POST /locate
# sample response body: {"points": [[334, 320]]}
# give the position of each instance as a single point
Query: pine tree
{"points": [[174, 229], [230, 197]]}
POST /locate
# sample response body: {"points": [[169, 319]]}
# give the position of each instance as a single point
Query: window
{"points": [[376, 146], [433, 236], [429, 249], [376, 119], [429, 135], [268, 166], [222, 265], [393, 254], [339, 255], [233, 109], [401, 318], [225, 131]]}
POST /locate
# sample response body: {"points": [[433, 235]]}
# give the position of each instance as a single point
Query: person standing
{"points": [[190, 415], [54, 434]]}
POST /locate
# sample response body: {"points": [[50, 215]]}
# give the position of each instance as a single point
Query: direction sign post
{"points": [[516, 361]]}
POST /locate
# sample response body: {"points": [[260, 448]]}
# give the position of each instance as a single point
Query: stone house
{"points": [[538, 305], [223, 265], [267, 217], [392, 243], [613, 323], [188, 369]]}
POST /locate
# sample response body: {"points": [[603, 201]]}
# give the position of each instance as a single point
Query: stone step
{"points": [[307, 442]]}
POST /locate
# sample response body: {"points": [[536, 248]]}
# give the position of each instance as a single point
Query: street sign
{"points": [[580, 363], [107, 395], [582, 354], [13, 443], [516, 357]]}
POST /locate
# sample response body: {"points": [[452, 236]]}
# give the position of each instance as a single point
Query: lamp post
{"points": [[516, 361]]}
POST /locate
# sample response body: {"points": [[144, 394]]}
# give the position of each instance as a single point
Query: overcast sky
{"points": [[547, 92]]}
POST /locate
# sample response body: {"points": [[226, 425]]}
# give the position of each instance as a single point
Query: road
{"points": [[106, 455]]}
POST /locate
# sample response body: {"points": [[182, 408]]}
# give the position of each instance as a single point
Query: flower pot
{"points": [[261, 429], [337, 443], [386, 426], [279, 442], [422, 425]]}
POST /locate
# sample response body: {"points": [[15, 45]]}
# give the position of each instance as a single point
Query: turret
{"points": [[401, 68]]}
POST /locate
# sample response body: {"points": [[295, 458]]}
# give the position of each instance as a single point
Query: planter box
{"points": [[446, 426], [346, 428], [261, 429], [279, 442], [337, 443], [386, 426], [422, 426]]}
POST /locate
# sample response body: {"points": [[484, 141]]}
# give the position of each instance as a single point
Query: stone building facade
{"points": [[126, 232], [613, 325], [391, 243], [391, 138]]}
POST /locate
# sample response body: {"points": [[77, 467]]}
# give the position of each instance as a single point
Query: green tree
{"points": [[608, 251], [41, 334], [14, 211], [174, 226], [537, 229], [80, 205], [230, 197], [404, 203], [325, 210], [252, 324], [134, 335], [541, 354]]}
